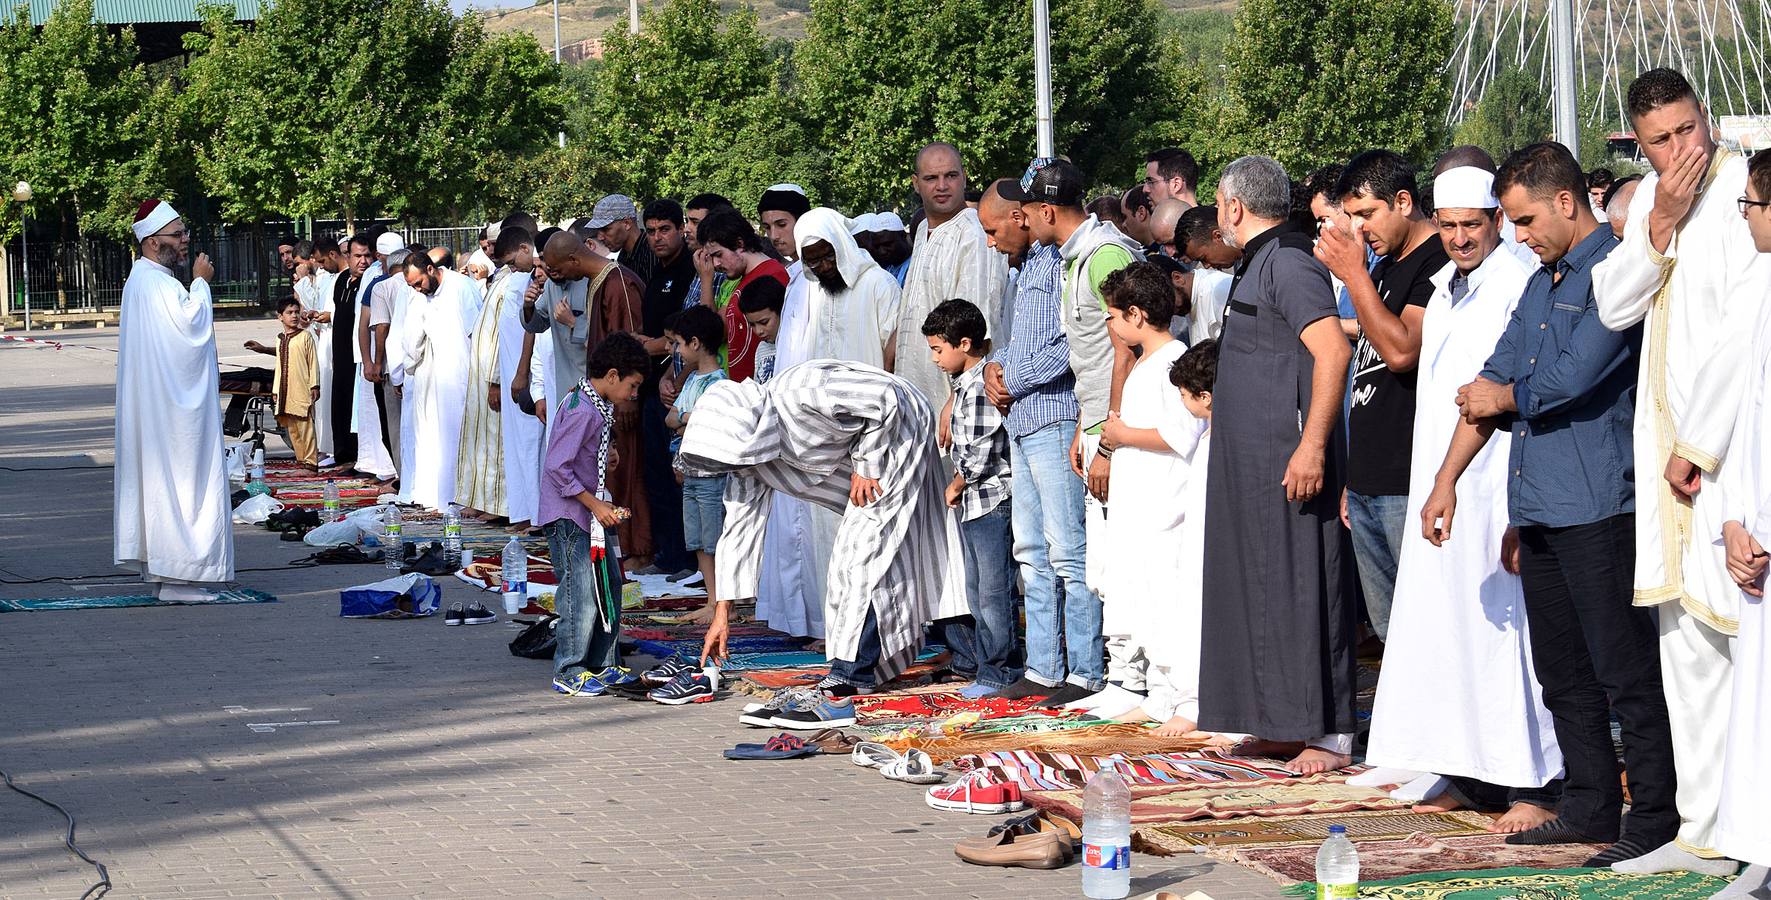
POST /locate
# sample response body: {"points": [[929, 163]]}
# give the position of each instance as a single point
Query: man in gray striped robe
{"points": [[860, 442]]}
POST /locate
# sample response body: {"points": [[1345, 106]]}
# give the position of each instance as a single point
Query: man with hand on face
{"points": [[1377, 191], [172, 518], [1562, 383], [1686, 270]]}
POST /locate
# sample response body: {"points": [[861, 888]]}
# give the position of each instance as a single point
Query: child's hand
{"points": [[314, 394], [955, 491], [606, 514], [1114, 432]]}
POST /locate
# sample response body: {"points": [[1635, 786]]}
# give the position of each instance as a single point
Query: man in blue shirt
{"points": [[1031, 378], [1565, 385]]}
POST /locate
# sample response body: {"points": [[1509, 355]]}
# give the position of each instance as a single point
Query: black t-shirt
{"points": [[665, 294], [1381, 420]]}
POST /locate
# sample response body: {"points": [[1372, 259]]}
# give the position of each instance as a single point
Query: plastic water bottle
{"points": [[1106, 837], [393, 537], [452, 535], [1337, 866], [515, 576], [330, 511], [256, 474]]}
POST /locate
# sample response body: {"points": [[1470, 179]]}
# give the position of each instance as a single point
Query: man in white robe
{"points": [[480, 472], [374, 452], [854, 439], [315, 292], [1458, 696], [434, 348], [1743, 824], [521, 432], [172, 516], [952, 260], [1687, 266]]}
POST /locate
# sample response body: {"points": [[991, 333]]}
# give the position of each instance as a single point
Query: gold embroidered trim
{"points": [[1709, 464], [1667, 592], [1699, 852]]}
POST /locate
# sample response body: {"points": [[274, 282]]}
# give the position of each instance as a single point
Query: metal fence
{"points": [[87, 275]]}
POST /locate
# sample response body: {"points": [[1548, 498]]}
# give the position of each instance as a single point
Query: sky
{"points": [[461, 6]]}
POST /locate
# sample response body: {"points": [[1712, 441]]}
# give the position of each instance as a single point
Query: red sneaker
{"points": [[982, 792]]}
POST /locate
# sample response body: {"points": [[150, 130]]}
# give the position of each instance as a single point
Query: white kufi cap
{"points": [[1464, 187]]}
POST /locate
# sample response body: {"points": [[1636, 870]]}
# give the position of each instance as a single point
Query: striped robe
{"points": [[479, 475], [804, 434]]}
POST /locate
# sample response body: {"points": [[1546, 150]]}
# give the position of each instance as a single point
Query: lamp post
{"points": [[556, 55], [21, 192]]}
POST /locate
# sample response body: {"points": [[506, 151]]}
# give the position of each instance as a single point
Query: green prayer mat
{"points": [[223, 598], [1535, 884]]}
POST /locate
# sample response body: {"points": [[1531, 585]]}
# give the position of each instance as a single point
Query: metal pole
{"points": [[24, 243], [1042, 77], [633, 16], [1567, 115], [556, 54]]}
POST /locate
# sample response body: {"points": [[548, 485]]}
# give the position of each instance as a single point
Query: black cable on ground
{"points": [[103, 886]]}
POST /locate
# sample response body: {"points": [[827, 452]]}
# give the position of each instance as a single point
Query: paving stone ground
{"points": [[390, 759]]}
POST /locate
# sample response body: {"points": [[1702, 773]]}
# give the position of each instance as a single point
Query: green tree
{"points": [[879, 78], [72, 119], [694, 102], [1514, 111], [1316, 81]]}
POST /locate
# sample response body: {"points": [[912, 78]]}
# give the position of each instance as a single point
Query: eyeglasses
{"points": [[1742, 203], [175, 235]]}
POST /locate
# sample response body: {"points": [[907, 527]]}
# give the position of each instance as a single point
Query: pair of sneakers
{"points": [[585, 683], [801, 709], [477, 614], [677, 681]]}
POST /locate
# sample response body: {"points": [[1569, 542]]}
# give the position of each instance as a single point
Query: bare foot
{"points": [[1135, 716], [1441, 803], [1179, 726], [518, 528], [702, 616], [1315, 761], [1270, 749], [815, 647], [1522, 817]]}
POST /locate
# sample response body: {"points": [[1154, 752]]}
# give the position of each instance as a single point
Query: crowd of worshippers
{"points": [[1204, 452]]}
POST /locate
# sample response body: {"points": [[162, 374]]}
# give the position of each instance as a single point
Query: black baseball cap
{"points": [[1049, 180]]}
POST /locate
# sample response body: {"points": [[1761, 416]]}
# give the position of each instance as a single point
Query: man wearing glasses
{"points": [[1171, 173], [172, 516], [1688, 268]]}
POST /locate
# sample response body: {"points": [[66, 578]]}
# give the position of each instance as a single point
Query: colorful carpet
{"points": [[224, 598], [1328, 793], [1088, 739], [1186, 837], [1046, 771], [1418, 854], [944, 704], [1536, 884]]}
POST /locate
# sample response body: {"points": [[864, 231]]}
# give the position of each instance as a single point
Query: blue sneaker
{"points": [[976, 691], [826, 712], [578, 684], [616, 676], [666, 671]]}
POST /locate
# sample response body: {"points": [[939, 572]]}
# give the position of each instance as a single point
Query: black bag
{"points": [[536, 641]]}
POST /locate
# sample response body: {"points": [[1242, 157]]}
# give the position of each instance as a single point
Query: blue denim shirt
{"points": [[1574, 381], [1036, 362]]}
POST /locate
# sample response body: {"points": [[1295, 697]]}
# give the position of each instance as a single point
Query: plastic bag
{"points": [[331, 534], [257, 508], [237, 454], [410, 596]]}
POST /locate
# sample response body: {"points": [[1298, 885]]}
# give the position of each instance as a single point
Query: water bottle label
{"points": [[1337, 891], [393, 530], [1106, 856], [452, 531]]}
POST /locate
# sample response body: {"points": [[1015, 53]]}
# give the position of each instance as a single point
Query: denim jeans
{"points": [[1064, 641], [663, 495], [990, 591], [582, 639], [863, 670], [1378, 524], [1597, 654]]}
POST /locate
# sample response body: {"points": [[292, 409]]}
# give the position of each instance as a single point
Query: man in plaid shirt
{"points": [[956, 334]]}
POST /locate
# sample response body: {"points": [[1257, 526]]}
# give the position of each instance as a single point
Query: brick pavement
{"points": [[448, 769]]}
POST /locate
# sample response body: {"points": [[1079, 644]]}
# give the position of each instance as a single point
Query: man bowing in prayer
{"points": [[435, 355], [173, 519]]}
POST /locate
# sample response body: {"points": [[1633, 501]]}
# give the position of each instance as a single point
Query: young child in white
{"points": [[1154, 439]]}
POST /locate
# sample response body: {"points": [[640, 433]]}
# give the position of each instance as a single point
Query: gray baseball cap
{"points": [[612, 209]]}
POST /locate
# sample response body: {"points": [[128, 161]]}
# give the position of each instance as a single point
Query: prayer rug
{"points": [[1095, 740], [942, 704], [800, 660], [486, 572], [224, 598], [1418, 854], [1186, 837], [1536, 884], [756, 644], [1327, 793], [1046, 771]]}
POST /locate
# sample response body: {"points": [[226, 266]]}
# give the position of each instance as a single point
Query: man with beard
{"points": [[435, 353], [616, 222]]}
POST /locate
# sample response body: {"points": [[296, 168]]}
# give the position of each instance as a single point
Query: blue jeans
{"points": [[1064, 642], [990, 591], [704, 512], [1377, 524], [585, 636], [662, 493], [863, 670]]}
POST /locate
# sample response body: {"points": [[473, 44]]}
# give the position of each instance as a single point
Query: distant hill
{"points": [[582, 20]]}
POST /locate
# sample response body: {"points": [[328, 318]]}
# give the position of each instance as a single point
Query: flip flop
{"points": [[914, 767], [873, 756], [781, 746]]}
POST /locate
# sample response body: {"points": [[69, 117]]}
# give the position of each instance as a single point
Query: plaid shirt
{"points": [[980, 446], [1036, 362]]}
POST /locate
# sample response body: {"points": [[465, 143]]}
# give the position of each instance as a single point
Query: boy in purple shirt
{"points": [[576, 510]]}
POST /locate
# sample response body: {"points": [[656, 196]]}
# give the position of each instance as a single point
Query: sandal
{"points": [[873, 756], [914, 767], [781, 746]]}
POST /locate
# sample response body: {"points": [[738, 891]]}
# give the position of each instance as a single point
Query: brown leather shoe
{"points": [[1042, 850]]}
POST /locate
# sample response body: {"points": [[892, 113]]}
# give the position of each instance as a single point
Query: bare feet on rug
{"points": [[1269, 749], [1179, 726], [1442, 803], [1315, 761], [1522, 817], [1134, 717], [702, 616], [815, 647], [518, 528]]}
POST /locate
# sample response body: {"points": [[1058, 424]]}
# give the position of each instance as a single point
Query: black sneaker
{"points": [[478, 614], [662, 673], [454, 616], [1065, 694], [692, 686], [1025, 689]]}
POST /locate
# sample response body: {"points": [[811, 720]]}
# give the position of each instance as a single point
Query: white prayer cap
{"points": [[492, 230], [887, 221], [788, 186], [862, 223], [389, 242], [152, 216], [1464, 187]]}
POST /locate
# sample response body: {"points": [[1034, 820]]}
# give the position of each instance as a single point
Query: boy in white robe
{"points": [[172, 517]]}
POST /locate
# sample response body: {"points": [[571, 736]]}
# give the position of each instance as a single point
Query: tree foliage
{"points": [[1316, 81], [1514, 112], [72, 119]]}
